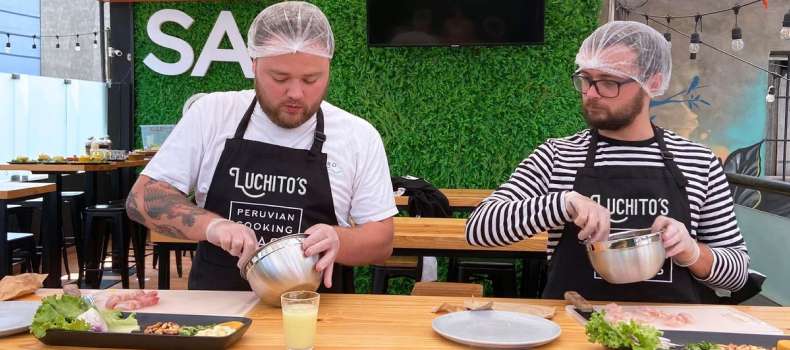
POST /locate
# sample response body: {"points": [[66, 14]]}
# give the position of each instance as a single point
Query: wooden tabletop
{"points": [[364, 321], [421, 233], [457, 197], [13, 190], [424, 233], [74, 167], [132, 163], [66, 168]]}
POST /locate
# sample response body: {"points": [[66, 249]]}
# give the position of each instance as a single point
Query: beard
{"points": [[280, 117], [606, 119]]}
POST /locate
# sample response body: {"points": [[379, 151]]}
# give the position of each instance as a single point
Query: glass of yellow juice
{"points": [[300, 313]]}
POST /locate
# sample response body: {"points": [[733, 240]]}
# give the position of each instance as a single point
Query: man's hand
{"points": [[322, 238], [234, 238], [591, 217], [677, 241]]}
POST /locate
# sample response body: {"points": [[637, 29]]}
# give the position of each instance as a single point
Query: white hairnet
{"points": [[628, 49], [290, 27]]}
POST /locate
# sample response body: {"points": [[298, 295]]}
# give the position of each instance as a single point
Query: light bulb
{"points": [[95, 44], [694, 45], [668, 36], [737, 45], [7, 47], [785, 32], [737, 39], [77, 47], [694, 48], [770, 98]]}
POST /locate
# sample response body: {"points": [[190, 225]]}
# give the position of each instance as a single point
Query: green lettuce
{"points": [[702, 346], [116, 322], [59, 314], [600, 331]]}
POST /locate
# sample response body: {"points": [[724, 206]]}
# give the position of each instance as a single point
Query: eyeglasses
{"points": [[604, 87]]}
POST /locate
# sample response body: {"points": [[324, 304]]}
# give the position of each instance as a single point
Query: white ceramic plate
{"points": [[496, 329], [16, 316]]}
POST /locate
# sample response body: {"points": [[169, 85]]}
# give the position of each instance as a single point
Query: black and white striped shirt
{"points": [[531, 201]]}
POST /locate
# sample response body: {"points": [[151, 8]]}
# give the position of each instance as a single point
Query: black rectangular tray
{"points": [[138, 340], [688, 337]]}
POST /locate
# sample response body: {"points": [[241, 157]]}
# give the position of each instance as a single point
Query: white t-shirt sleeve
{"points": [[372, 198], [178, 160]]}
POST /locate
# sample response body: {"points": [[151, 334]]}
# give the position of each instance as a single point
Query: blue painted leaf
{"points": [[744, 161], [705, 102]]}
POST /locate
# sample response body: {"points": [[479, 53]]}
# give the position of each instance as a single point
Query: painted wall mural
{"points": [[746, 160]]}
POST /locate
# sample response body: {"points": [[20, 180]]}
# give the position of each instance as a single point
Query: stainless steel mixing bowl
{"points": [[627, 257], [281, 266]]}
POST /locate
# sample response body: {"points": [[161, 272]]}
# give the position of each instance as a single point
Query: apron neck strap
{"points": [[589, 162], [669, 158], [319, 138], [245, 121]]}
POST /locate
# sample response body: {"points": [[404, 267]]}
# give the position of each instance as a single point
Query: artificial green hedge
{"points": [[458, 117]]}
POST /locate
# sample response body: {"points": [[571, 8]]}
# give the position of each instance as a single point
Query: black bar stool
{"points": [[121, 228], [501, 273], [25, 243], [394, 267]]}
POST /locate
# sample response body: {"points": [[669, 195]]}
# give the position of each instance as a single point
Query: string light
{"points": [[34, 45], [694, 43], [771, 97], [785, 32], [667, 34], [737, 34]]}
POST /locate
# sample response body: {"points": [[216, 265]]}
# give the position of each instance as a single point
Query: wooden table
{"points": [[54, 173], [460, 199], [367, 321], [19, 191], [413, 236]]}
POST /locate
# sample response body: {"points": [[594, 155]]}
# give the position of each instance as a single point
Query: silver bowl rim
{"points": [[632, 239], [268, 249]]}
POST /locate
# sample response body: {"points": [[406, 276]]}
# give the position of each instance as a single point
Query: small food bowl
{"points": [[281, 266], [628, 256]]}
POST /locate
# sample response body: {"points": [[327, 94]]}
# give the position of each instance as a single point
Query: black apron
{"points": [[274, 190], [635, 195]]}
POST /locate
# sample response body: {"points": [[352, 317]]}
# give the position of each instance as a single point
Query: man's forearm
{"points": [[370, 243], [163, 208]]}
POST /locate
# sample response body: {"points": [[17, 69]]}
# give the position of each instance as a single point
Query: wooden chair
{"points": [[448, 289]]}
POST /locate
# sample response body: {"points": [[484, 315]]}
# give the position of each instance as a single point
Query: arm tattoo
{"points": [[132, 209], [171, 231], [161, 198]]}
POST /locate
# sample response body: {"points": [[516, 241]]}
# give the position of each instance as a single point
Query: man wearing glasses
{"points": [[622, 173]]}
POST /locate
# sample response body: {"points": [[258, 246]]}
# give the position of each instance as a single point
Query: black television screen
{"points": [[455, 22]]}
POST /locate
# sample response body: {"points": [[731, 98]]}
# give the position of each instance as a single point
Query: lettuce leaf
{"points": [[116, 322], [600, 331], [59, 314]]}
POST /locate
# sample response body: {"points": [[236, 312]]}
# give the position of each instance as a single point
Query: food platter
{"points": [[138, 340]]}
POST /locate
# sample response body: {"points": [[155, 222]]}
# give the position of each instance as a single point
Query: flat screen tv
{"points": [[455, 22]]}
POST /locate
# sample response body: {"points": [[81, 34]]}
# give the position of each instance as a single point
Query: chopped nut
{"points": [[168, 328]]}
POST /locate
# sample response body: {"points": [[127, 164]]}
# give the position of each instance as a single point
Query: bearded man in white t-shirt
{"points": [[272, 162]]}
